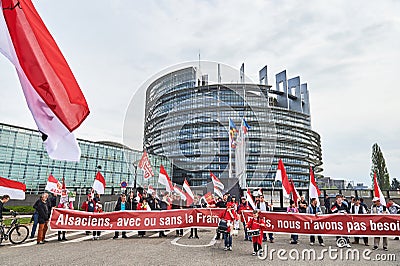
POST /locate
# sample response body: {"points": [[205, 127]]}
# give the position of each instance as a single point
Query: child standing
{"points": [[256, 223]]}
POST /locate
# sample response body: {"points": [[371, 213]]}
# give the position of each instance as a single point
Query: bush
{"points": [[22, 209]]}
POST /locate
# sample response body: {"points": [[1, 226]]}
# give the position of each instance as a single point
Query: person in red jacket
{"points": [[244, 206], [256, 223], [229, 215]]}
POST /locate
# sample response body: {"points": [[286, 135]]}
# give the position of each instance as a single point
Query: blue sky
{"points": [[347, 52]]}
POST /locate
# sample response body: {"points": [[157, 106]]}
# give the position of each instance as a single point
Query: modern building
{"points": [[23, 158], [186, 120]]}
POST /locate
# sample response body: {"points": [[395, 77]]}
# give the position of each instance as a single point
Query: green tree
{"points": [[379, 167], [395, 184]]}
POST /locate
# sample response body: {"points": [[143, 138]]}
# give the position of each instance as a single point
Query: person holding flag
{"points": [[244, 206], [378, 208]]}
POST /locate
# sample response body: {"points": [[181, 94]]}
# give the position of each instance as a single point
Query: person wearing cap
{"points": [[230, 216], [255, 223], [244, 206], [357, 208], [378, 208], [99, 209]]}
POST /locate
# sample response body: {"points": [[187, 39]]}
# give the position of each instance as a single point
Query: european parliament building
{"points": [[23, 158], [186, 120]]}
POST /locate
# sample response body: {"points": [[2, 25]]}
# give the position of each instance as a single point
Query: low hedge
{"points": [[22, 209]]}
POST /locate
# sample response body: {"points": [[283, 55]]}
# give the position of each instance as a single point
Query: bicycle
{"points": [[16, 232]]}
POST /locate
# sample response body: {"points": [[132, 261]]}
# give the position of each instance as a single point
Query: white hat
{"points": [[376, 199]]}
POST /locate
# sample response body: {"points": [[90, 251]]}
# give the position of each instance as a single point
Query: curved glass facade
{"points": [[23, 158], [186, 120]]}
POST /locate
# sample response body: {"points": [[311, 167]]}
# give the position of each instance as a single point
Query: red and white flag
{"points": [[179, 191], [282, 176], [51, 91], [378, 192], [164, 179], [249, 199], [295, 193], [99, 183], [189, 193], [217, 183], [145, 165], [14, 189], [53, 185], [313, 190]]}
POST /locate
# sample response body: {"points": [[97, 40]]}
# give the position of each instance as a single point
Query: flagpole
{"points": [[230, 151]]}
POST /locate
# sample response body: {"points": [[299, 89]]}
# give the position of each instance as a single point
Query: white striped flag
{"points": [[179, 191], [282, 176], [51, 91], [164, 179], [217, 183], [53, 185], [189, 193], [378, 192], [99, 183], [249, 199], [313, 190], [145, 165], [14, 189]]}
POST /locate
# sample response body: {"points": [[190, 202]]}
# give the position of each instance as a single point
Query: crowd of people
{"points": [[230, 219]]}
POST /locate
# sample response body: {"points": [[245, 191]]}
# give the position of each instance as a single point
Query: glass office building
{"points": [[23, 158], [186, 120]]}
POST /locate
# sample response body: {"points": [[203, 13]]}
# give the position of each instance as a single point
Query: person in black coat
{"points": [[132, 201], [122, 205], [4, 199], [43, 218]]}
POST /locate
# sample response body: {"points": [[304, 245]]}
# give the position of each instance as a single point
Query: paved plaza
{"points": [[80, 249]]}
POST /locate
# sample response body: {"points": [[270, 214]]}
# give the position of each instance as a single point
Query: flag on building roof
{"points": [[14, 189], [51, 91], [145, 165], [232, 131], [99, 183], [164, 179], [378, 192], [282, 176], [245, 126]]}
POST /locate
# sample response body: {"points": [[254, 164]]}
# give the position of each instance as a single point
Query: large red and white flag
{"points": [[282, 176], [145, 165], [378, 192], [53, 185], [51, 91], [164, 179], [313, 190], [99, 183], [189, 193], [15, 189], [249, 199], [295, 194]]}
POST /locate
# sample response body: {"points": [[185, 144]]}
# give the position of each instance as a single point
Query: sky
{"points": [[346, 51]]}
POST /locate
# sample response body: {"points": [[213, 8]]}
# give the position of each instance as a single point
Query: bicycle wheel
{"points": [[19, 234]]}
